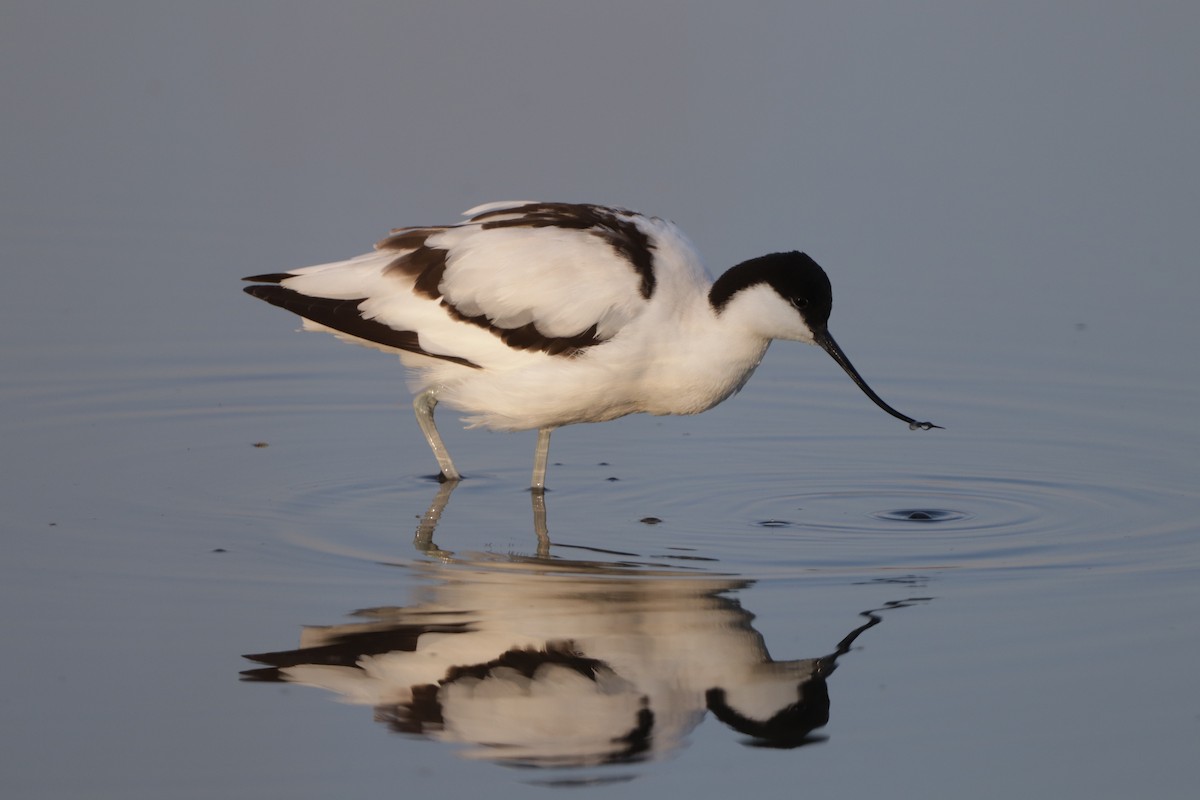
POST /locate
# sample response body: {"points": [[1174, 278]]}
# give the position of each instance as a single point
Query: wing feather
{"points": [[550, 277]]}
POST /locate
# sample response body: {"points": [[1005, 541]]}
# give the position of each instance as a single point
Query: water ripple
{"points": [[977, 522]]}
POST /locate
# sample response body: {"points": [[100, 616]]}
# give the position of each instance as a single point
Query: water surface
{"points": [[227, 569]]}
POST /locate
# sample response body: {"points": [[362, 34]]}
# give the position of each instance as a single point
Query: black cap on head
{"points": [[794, 276]]}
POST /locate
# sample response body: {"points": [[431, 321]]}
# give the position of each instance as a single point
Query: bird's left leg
{"points": [[423, 405]]}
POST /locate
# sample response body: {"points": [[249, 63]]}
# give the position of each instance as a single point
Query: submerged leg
{"points": [[423, 405], [540, 455], [539, 523], [423, 539]]}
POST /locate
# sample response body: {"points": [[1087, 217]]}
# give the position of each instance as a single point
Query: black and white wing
{"points": [[549, 278]]}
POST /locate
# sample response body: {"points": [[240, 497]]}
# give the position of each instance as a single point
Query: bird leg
{"points": [[540, 455], [423, 405], [423, 539], [539, 523]]}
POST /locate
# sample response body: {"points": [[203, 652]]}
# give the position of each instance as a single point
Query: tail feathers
{"points": [[342, 316]]}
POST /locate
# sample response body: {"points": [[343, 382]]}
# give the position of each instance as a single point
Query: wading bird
{"points": [[537, 315]]}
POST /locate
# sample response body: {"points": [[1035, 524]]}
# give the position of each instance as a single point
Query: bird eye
{"points": [[799, 302]]}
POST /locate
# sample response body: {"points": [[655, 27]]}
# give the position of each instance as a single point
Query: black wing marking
{"points": [[270, 277], [426, 265], [344, 316], [528, 337], [621, 234]]}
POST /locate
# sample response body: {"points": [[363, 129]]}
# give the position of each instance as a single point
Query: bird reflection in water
{"points": [[545, 662]]}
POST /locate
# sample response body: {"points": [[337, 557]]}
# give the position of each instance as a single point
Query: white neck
{"points": [[705, 357]]}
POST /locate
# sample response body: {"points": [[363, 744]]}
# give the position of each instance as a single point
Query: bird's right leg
{"points": [[423, 405], [541, 455]]}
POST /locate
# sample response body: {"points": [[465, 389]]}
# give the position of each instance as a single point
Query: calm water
{"points": [[228, 572], [1033, 587]]}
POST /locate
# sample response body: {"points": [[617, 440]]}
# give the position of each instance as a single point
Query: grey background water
{"points": [[1005, 199]]}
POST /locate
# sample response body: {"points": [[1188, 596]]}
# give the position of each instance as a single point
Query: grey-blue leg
{"points": [[540, 455], [423, 405]]}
